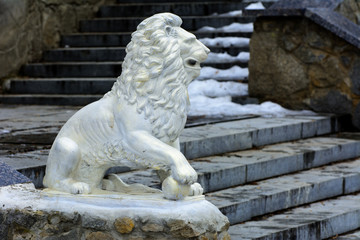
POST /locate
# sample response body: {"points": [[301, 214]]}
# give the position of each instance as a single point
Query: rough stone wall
{"points": [[350, 9], [27, 27], [30, 225], [300, 65]]}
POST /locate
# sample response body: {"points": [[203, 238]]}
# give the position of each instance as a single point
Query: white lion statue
{"points": [[138, 122]]}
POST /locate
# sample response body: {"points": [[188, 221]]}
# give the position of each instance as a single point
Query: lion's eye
{"points": [[191, 62]]}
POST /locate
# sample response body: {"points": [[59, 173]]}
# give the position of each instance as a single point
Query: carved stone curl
{"points": [[138, 122]]}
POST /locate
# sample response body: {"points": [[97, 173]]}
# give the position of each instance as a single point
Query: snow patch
{"points": [[227, 58], [255, 6], [222, 106], [213, 88], [4, 131], [236, 13], [234, 73], [225, 42], [234, 27]]}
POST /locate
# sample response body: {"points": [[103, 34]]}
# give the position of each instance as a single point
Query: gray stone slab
{"points": [[245, 134], [190, 23], [181, 9], [232, 169], [59, 86], [316, 221], [116, 39], [319, 11], [9, 176], [245, 202], [350, 236]]}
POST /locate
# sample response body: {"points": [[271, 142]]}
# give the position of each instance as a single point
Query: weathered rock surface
{"points": [[301, 65], [41, 215]]}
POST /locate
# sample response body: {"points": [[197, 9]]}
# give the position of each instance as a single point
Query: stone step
{"points": [[92, 69], [242, 203], [211, 139], [72, 69], [130, 24], [319, 220], [264, 2], [236, 168], [178, 8], [108, 54], [354, 235], [59, 85], [72, 97], [49, 99], [85, 54], [122, 39]]}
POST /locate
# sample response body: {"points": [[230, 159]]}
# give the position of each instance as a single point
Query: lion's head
{"points": [[162, 59]]}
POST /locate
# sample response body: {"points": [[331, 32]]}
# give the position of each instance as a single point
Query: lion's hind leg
{"points": [[64, 158], [114, 183]]}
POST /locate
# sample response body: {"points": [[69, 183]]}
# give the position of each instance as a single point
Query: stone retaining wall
{"points": [[301, 65], [27, 27], [28, 224]]}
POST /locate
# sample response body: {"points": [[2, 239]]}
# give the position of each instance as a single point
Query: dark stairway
{"points": [[88, 62]]}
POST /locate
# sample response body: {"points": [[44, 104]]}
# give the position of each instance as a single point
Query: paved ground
{"points": [[25, 128]]}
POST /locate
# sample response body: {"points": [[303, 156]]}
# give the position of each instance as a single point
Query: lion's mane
{"points": [[153, 75]]}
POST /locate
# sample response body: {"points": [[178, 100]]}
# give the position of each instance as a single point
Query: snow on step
{"points": [[316, 221], [234, 73], [223, 106], [225, 42], [212, 88], [244, 202], [232, 169], [227, 58], [233, 27]]}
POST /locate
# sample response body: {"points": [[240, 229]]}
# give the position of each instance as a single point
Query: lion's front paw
{"points": [[80, 188], [184, 174], [196, 189]]}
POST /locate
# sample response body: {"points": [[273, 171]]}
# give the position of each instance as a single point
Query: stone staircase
{"points": [[88, 62], [274, 178]]}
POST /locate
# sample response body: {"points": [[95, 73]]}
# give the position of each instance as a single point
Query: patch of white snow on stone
{"points": [[235, 13], [234, 27], [225, 42], [227, 58], [212, 88], [234, 73], [222, 106], [255, 6]]}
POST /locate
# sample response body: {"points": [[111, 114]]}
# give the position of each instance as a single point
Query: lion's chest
{"points": [[168, 125]]}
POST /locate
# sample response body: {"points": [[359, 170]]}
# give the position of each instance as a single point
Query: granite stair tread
{"points": [[111, 39], [220, 138], [242, 203], [320, 220], [58, 85], [50, 99], [111, 54], [190, 23], [178, 8], [236, 168]]}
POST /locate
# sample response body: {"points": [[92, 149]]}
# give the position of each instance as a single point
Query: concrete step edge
{"points": [[219, 138], [242, 203], [237, 168], [319, 220]]}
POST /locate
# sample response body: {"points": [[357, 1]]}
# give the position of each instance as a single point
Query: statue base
{"points": [[27, 213]]}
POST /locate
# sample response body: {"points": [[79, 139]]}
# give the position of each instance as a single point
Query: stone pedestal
{"points": [[28, 213]]}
